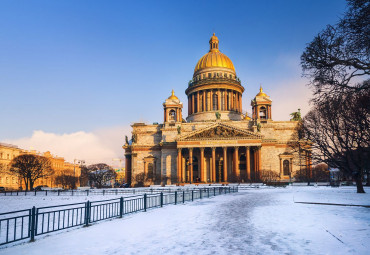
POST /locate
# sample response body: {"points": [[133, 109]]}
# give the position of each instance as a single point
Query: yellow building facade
{"points": [[217, 143], [10, 182]]}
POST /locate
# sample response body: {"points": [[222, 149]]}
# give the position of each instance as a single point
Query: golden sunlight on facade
{"points": [[11, 182], [217, 143]]}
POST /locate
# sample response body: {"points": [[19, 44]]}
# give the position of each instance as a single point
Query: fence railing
{"points": [[24, 224], [93, 192]]}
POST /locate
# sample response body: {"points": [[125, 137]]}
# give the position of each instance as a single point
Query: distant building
{"points": [[11, 182], [217, 142]]}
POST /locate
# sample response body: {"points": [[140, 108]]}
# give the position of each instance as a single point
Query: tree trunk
{"points": [[360, 187], [31, 185], [26, 183]]}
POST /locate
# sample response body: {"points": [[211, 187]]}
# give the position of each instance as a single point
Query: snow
{"points": [[253, 221]]}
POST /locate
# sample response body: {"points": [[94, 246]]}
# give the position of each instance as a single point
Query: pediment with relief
{"points": [[220, 132]]}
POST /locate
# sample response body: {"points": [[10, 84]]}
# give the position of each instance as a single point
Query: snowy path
{"points": [[262, 221]]}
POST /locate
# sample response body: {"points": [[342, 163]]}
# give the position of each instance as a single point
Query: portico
{"points": [[219, 153]]}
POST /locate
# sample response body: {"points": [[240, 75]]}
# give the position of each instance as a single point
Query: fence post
{"points": [[200, 193], [214, 191], [33, 225], [46, 193], [229, 189], [145, 202], [208, 192], [72, 192], [192, 195], [87, 213], [58, 192], [103, 192], [183, 196], [161, 199], [175, 197], [88, 191], [35, 192], [120, 207]]}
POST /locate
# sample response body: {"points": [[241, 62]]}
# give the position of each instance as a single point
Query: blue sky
{"points": [[90, 66]]}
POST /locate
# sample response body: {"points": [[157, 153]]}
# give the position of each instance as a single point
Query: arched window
{"points": [[172, 115], [215, 101], [286, 170], [263, 113]]}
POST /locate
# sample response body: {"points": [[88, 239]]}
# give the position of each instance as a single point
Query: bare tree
{"points": [[30, 168], [67, 180], [320, 173], [100, 174], [338, 57], [340, 131], [269, 176], [84, 177]]}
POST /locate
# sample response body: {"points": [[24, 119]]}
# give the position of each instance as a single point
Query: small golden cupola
{"points": [[214, 88], [172, 109], [261, 106]]}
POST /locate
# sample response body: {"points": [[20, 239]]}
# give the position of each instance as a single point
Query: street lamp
{"points": [[80, 162]]}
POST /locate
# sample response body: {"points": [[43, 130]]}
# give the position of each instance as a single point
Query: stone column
{"points": [[247, 162], [191, 165], [237, 102], [281, 168], [218, 100], [183, 168], [179, 159], [213, 174], [202, 164], [259, 162], [198, 106], [236, 161], [204, 101], [192, 104], [232, 100], [225, 164], [240, 103], [225, 100]]}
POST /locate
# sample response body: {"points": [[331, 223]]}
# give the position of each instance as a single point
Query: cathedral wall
{"points": [[169, 165], [270, 158]]}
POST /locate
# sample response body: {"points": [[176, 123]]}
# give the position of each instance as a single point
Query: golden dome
{"points": [[261, 93], [173, 97], [214, 58]]}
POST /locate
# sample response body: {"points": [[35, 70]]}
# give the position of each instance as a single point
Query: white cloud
{"points": [[94, 147]]}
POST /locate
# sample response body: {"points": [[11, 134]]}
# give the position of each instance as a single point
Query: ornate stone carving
{"points": [[218, 132]]}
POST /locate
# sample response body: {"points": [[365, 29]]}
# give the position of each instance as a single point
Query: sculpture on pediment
{"points": [[219, 132]]}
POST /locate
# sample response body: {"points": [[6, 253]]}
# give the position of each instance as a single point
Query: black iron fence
{"points": [[27, 224], [94, 192]]}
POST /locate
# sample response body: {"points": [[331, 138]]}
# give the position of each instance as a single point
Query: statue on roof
{"points": [[296, 116]]}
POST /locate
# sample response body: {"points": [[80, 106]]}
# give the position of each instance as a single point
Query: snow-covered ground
{"points": [[255, 221]]}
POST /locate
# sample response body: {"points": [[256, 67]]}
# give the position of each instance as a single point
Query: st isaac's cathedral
{"points": [[217, 142]]}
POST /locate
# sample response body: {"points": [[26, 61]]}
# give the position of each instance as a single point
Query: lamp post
{"points": [[80, 162]]}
